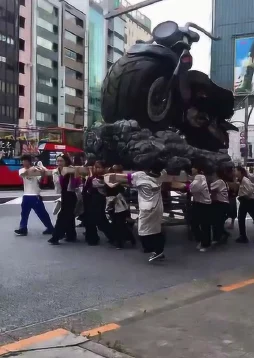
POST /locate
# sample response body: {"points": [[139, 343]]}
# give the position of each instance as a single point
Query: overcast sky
{"points": [[182, 11]]}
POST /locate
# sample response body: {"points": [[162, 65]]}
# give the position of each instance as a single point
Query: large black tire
{"points": [[126, 87]]}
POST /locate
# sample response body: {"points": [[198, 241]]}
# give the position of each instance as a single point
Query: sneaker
{"points": [[155, 257], [199, 246], [203, 249], [48, 232], [21, 232], [214, 243], [242, 240], [53, 242]]}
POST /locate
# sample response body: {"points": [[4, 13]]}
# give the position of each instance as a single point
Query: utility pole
{"points": [[125, 10], [246, 123]]}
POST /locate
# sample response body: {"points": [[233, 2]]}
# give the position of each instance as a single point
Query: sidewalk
{"points": [[219, 326]]}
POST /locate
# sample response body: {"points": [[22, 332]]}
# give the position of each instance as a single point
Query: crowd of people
{"points": [[105, 208]]}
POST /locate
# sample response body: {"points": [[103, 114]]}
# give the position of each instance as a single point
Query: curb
{"points": [[59, 338], [103, 351]]}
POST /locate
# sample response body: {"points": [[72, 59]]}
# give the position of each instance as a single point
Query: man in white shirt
{"points": [[32, 199]]}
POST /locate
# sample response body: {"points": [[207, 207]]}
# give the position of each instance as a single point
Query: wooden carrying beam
{"points": [[37, 172]]}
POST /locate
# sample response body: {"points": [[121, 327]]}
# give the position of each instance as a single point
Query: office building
{"points": [[230, 65], [73, 54], [124, 31], [25, 62], [97, 47], [58, 81], [138, 27], [9, 61], [46, 48]]}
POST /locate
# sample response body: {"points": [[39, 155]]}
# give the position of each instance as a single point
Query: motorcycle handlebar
{"points": [[195, 26]]}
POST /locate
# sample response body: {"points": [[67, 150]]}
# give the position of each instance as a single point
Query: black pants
{"points": [[246, 207], [122, 230], [65, 223], [201, 223], [219, 212], [95, 217], [153, 243]]}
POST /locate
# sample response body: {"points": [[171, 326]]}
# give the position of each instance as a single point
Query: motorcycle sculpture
{"points": [[155, 107]]}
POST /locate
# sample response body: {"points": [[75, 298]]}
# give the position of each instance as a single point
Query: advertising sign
{"points": [[244, 65]]}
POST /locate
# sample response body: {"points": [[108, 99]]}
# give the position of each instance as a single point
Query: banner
{"points": [[244, 65]]}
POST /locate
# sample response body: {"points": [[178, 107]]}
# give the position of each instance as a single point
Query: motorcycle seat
{"points": [[153, 50]]}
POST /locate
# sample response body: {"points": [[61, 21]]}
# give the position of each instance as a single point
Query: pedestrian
{"points": [[219, 209], [246, 200], [94, 194], [65, 185], [148, 184], [31, 198], [201, 208], [118, 212]]}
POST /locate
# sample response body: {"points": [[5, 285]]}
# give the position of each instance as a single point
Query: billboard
{"points": [[244, 65]]}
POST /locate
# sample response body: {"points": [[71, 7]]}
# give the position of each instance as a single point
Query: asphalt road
{"points": [[39, 282]]}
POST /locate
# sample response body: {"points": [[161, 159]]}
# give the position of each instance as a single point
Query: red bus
{"points": [[47, 143]]}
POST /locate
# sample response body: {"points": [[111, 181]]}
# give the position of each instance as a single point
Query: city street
{"points": [[41, 283]]}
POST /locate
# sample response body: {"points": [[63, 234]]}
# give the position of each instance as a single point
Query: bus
{"points": [[45, 143]]}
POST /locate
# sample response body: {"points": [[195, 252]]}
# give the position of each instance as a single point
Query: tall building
{"points": [[97, 46], [73, 54], [25, 62], [138, 27], [124, 31], [116, 34], [230, 56], [46, 48], [59, 71], [9, 61]]}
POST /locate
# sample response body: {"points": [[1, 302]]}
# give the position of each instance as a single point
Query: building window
{"points": [[43, 61], [44, 117], [74, 19], [46, 44], [7, 39], [45, 24], [70, 91], [21, 90], [22, 45], [73, 55], [45, 5], [23, 2], [21, 113], [73, 38], [2, 86], [70, 109], [79, 93], [22, 22], [73, 74], [44, 99], [50, 82], [21, 67]]}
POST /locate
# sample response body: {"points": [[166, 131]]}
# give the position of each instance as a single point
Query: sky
{"points": [[182, 11]]}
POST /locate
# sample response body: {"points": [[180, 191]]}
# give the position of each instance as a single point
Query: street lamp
{"points": [[125, 10]]}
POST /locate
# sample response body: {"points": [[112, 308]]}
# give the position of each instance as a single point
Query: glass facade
{"points": [[96, 64]]}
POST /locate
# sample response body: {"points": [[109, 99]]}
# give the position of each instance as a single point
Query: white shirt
{"points": [[219, 191], [150, 203], [31, 184], [246, 188], [199, 190]]}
